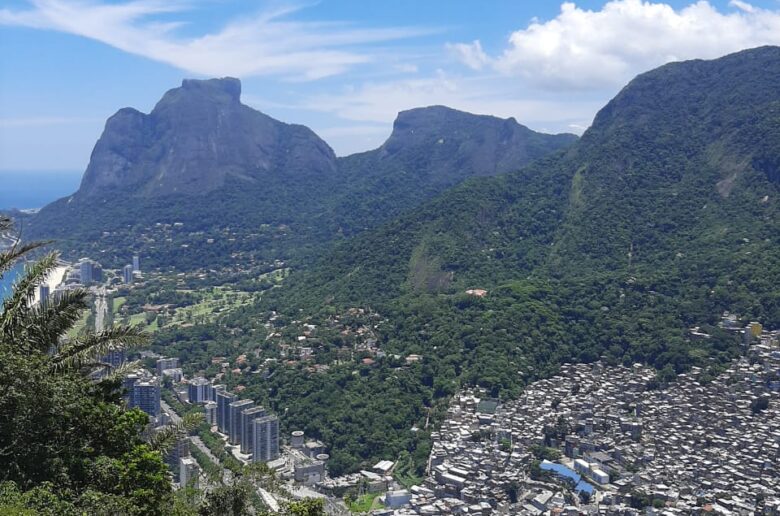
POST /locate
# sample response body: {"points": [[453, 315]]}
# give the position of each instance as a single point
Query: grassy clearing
{"points": [[366, 503], [79, 326]]}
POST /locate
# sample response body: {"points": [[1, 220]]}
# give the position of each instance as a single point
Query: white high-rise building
{"points": [[248, 417], [199, 390], [266, 436], [166, 363], [127, 274]]}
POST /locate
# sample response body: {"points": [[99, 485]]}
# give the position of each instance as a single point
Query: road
{"points": [[101, 309], [194, 439]]}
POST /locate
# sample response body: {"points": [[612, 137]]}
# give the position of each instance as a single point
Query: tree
{"points": [[513, 490], [759, 405], [306, 507], [66, 437]]}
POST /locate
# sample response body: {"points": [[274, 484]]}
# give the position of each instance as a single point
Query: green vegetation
{"points": [[365, 503], [662, 217], [405, 471], [291, 210], [611, 251], [69, 446]]}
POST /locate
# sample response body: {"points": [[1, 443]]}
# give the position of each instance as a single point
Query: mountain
{"points": [[430, 150], [195, 139], [663, 216], [258, 189], [684, 160]]}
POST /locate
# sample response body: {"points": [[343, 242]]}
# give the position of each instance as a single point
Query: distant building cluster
{"points": [[253, 429], [595, 440], [90, 272], [129, 271]]}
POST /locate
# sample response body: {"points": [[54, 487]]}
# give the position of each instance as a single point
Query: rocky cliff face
{"points": [[203, 159], [463, 144], [197, 136]]}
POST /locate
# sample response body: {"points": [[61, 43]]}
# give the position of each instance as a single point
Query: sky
{"points": [[343, 68]]}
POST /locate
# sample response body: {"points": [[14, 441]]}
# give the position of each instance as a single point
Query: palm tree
{"points": [[41, 328], [61, 426]]}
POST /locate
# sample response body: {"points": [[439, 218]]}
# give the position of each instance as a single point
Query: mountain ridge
{"points": [[206, 135], [627, 203], [249, 170]]}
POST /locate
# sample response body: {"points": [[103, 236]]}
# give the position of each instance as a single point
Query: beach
{"points": [[53, 280]]}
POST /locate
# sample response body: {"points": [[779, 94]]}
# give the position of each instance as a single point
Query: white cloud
{"points": [[264, 44], [470, 54], [380, 102], [589, 49]]}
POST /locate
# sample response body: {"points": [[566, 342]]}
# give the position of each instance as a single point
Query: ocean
{"points": [[35, 189], [7, 281]]}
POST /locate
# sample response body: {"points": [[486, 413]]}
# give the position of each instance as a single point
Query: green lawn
{"points": [[366, 503], [80, 325], [119, 303]]}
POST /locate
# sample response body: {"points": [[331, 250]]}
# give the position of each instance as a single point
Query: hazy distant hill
{"points": [[220, 168]]}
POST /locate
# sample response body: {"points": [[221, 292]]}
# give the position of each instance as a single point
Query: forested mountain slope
{"points": [[245, 188], [663, 216]]}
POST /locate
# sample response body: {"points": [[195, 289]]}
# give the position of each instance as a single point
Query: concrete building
{"points": [[313, 448], [199, 390], [85, 270], [146, 396], [235, 409], [696, 447], [297, 439], [599, 476], [248, 417], [175, 374], [395, 499], [127, 274], [136, 263], [43, 293], [166, 363], [214, 390], [180, 450], [309, 473], [114, 358], [127, 387], [266, 435], [188, 472], [224, 399], [210, 412]]}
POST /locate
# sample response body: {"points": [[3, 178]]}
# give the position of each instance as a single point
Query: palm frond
{"points": [[9, 258], [120, 371], [87, 349], [47, 321], [17, 305], [164, 439]]}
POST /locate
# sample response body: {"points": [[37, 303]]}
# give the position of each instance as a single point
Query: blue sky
{"points": [[344, 68]]}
